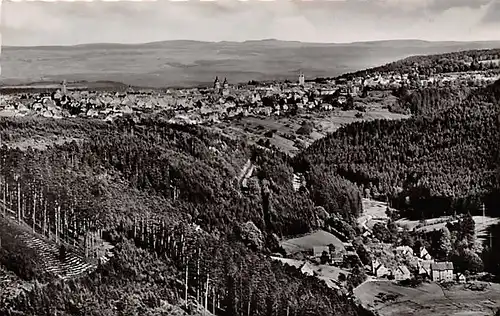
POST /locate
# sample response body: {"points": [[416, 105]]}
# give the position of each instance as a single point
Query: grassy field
{"points": [[482, 225], [307, 242], [375, 209], [322, 271], [429, 299], [40, 142], [372, 210], [286, 138], [180, 63]]}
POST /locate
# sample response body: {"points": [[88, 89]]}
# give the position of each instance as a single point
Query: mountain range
{"points": [[188, 63]]}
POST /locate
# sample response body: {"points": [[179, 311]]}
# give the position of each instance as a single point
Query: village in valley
{"points": [[387, 267]]}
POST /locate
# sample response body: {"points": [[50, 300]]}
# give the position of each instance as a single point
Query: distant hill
{"points": [[187, 63]]}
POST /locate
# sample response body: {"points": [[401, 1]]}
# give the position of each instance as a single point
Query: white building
{"points": [[302, 79], [442, 271]]}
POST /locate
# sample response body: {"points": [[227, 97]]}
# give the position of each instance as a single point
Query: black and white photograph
{"points": [[250, 158]]}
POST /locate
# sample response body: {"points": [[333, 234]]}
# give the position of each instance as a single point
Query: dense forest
{"points": [[442, 162], [429, 101], [142, 183], [471, 60]]}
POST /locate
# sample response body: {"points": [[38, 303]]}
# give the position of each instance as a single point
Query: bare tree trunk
{"points": [[213, 300], [181, 246], [85, 244], [19, 200], [186, 283], [248, 305], [206, 292], [135, 228], [34, 212], [198, 285], [6, 195], [4, 186], [58, 223], [44, 217]]}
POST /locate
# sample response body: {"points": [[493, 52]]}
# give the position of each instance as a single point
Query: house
{"points": [[318, 251], [401, 273], [404, 250], [337, 257], [326, 107], [442, 271], [424, 267], [424, 254], [461, 278], [348, 247], [367, 233], [379, 269], [307, 269]]}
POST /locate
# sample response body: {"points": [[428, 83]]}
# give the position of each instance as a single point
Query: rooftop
{"points": [[441, 266]]}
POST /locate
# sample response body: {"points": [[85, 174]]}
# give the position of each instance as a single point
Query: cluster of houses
{"points": [[193, 105], [416, 80], [427, 268], [222, 100]]}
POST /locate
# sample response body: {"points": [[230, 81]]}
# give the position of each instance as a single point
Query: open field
{"points": [[482, 225], [286, 138], [373, 212], [181, 63], [307, 242], [40, 142], [429, 299], [322, 271]]}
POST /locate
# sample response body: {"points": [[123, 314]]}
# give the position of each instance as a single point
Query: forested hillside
{"points": [[439, 163], [431, 101], [145, 183], [470, 60]]}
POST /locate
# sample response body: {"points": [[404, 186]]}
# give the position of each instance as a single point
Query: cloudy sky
{"points": [[66, 23]]}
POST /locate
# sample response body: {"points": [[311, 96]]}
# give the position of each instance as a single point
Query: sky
{"points": [[33, 23]]}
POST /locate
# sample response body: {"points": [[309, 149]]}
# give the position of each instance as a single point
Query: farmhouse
{"points": [[318, 251], [379, 269], [442, 271], [401, 273], [424, 268], [404, 250], [307, 269], [461, 278], [424, 254]]}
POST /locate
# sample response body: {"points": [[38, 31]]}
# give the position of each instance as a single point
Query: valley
{"points": [[372, 199]]}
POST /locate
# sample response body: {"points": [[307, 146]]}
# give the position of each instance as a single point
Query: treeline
{"points": [[429, 166], [471, 60]]}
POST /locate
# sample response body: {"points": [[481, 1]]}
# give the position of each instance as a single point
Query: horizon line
{"points": [[250, 40]]}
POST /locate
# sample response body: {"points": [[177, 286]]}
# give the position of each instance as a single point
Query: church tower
{"points": [[302, 79], [225, 85], [217, 83], [63, 89]]}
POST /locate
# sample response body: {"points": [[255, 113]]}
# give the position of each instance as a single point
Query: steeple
{"points": [[225, 85], [216, 83]]}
